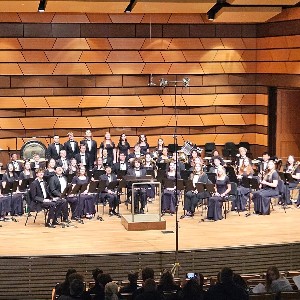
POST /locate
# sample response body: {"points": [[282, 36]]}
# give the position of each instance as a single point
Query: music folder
{"points": [[185, 174], [25, 184], [97, 173], [189, 185], [70, 177], [93, 187], [121, 174], [286, 177], [66, 191], [250, 183]]}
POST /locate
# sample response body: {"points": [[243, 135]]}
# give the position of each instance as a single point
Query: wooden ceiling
{"points": [[234, 11]]}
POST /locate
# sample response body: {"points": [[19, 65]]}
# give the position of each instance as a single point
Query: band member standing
{"points": [[245, 170], [83, 158], [262, 197], [9, 177], [41, 199], [73, 167], [144, 146], [110, 195], [57, 185], [54, 148], [140, 194], [123, 146], [222, 188], [63, 161], [192, 198], [109, 145], [91, 147], [71, 146], [264, 163]]}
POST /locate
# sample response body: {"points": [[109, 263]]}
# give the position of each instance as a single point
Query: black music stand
{"points": [[252, 184], [287, 178]]}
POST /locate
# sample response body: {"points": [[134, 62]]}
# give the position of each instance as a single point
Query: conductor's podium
{"points": [[141, 222]]}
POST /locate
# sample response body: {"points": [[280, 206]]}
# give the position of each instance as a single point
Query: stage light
{"points": [[130, 6], [186, 81], [163, 82], [42, 6]]}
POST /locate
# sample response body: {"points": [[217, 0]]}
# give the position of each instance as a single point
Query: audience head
{"points": [[238, 280], [150, 285], [167, 279], [272, 274], [111, 291], [103, 279], [76, 287], [96, 272], [74, 276], [69, 272], [133, 277], [226, 275], [147, 273], [191, 290]]}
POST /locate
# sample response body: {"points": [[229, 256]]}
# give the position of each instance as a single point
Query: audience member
{"points": [[150, 291], [111, 291], [226, 288], [77, 289], [167, 284], [102, 281], [192, 289], [132, 285], [147, 273], [95, 273], [64, 287], [276, 283]]}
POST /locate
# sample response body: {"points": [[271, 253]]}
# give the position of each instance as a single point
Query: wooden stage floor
{"points": [[109, 236]]}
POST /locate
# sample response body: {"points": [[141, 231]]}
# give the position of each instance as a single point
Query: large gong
{"points": [[33, 147]]}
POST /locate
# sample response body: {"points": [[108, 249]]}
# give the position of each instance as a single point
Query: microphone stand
{"points": [[163, 84]]}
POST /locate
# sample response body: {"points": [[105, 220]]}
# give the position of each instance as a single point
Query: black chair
{"points": [[229, 150], [231, 196], [209, 148]]}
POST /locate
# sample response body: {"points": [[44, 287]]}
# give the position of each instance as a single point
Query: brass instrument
{"points": [[293, 169]]}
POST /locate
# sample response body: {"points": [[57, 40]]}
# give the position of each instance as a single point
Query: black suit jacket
{"points": [[36, 192], [87, 160], [55, 186], [42, 165], [59, 162], [116, 167], [69, 150], [52, 153], [105, 177], [93, 151]]}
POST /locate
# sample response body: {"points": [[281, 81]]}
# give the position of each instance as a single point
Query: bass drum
{"points": [[33, 147]]}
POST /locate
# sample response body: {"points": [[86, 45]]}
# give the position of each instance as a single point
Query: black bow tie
{"points": [[41, 181], [82, 154], [56, 144], [137, 169], [59, 176]]}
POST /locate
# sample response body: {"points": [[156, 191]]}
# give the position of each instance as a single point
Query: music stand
{"points": [[253, 185]]}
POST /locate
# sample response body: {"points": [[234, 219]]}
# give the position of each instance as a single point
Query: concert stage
{"points": [[41, 255]]}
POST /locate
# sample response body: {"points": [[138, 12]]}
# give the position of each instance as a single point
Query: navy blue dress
{"points": [[214, 211]]}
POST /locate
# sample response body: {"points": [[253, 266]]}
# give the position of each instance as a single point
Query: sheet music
{"points": [[258, 289]]}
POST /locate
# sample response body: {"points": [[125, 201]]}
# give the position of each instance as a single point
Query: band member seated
{"points": [[180, 164], [169, 194], [123, 146], [241, 156], [9, 177], [50, 171], [140, 192], [216, 154], [18, 166], [109, 146], [222, 188], [106, 160], [144, 146], [195, 161], [136, 153], [159, 148], [192, 198], [263, 166], [37, 162], [57, 185], [86, 201], [73, 167], [110, 195], [293, 168], [164, 157], [83, 158], [121, 165], [216, 165], [245, 170], [71, 146], [63, 161], [54, 148], [41, 198], [193, 155], [269, 188], [27, 172]]}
